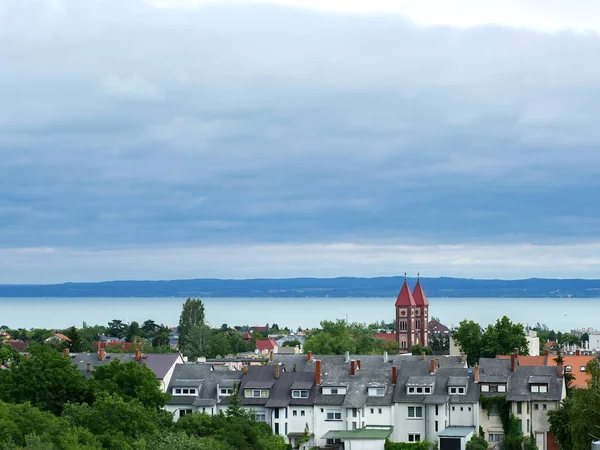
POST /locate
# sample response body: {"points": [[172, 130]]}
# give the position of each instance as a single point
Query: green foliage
{"points": [[9, 353], [24, 426], [500, 338], [181, 441], [529, 443], [46, 379], [76, 344], [419, 349], [134, 332], [440, 343], [423, 445], [501, 405], [292, 343], [235, 404], [237, 432], [513, 437], [477, 443], [130, 381], [576, 422], [336, 338], [192, 318]]}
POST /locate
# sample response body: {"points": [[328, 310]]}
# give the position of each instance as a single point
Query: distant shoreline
{"points": [[334, 288]]}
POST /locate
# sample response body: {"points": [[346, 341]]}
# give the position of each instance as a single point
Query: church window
{"points": [[402, 325]]}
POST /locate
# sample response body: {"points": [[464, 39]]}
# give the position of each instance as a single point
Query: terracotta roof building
{"points": [[412, 316]]}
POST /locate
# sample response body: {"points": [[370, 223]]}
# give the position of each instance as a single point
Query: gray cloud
{"points": [[125, 126]]}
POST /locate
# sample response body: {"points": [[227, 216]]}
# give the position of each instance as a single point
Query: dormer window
{"points": [[338, 390], [185, 391], [299, 394], [542, 388], [256, 393], [376, 392], [225, 392], [493, 388]]}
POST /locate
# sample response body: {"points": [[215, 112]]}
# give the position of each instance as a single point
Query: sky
{"points": [[155, 139]]}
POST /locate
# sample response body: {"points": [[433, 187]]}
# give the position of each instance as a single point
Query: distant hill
{"points": [[312, 287]]}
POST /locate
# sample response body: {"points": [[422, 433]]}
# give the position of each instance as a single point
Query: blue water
{"points": [[292, 312]]}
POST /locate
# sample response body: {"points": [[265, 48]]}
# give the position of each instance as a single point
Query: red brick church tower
{"points": [[412, 316]]}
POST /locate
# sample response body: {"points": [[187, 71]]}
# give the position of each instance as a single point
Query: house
{"points": [[436, 328], [201, 388], [283, 398], [17, 344], [260, 329], [386, 336], [162, 364], [265, 346], [575, 365], [246, 337], [412, 316], [529, 392], [58, 337]]}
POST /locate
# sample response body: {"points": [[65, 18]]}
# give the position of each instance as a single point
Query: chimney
{"points": [[476, 373], [352, 367], [547, 352], [89, 367], [513, 358], [276, 373], [138, 354], [358, 364], [560, 370], [394, 375], [577, 352], [318, 372], [309, 356], [423, 356], [437, 362], [347, 357], [66, 352], [432, 367], [516, 352], [245, 369], [385, 357], [271, 355], [101, 354], [25, 355]]}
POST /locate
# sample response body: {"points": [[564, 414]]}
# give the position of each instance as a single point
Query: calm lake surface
{"points": [[293, 312]]}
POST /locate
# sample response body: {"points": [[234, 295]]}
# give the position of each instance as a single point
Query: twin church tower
{"points": [[412, 316]]}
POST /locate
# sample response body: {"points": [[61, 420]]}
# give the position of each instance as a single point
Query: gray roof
{"points": [[159, 363], [519, 382], [206, 379], [420, 381], [457, 432], [303, 385], [458, 381], [259, 384]]}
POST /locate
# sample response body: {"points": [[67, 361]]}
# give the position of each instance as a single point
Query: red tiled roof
{"points": [[62, 337], [405, 298], [386, 336], [126, 346], [247, 335], [265, 345], [17, 345], [419, 295], [260, 328], [437, 327]]}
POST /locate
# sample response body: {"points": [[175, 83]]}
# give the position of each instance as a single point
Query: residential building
{"points": [[533, 343], [201, 388], [266, 346], [530, 392], [162, 364], [437, 328], [412, 316], [58, 337]]}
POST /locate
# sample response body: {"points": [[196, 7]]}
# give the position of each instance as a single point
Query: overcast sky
{"points": [[184, 138]]}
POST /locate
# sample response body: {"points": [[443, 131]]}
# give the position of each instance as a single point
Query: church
{"points": [[412, 316]]}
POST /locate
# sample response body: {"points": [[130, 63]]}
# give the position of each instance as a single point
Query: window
{"points": [[568, 369], [302, 413], [334, 391], [276, 431], [485, 388], [334, 414], [354, 412], [469, 408], [519, 407], [413, 437], [415, 412], [428, 390], [453, 408], [276, 413], [256, 393], [418, 321], [184, 412], [520, 426], [372, 410], [436, 409], [494, 411], [501, 388], [539, 388], [436, 426], [294, 412], [453, 390], [462, 408], [354, 425], [536, 406], [299, 394], [495, 437], [226, 391], [380, 411], [461, 390], [419, 390], [411, 390], [178, 391], [402, 325], [582, 368], [259, 416], [376, 392], [185, 391], [544, 407], [528, 425]]}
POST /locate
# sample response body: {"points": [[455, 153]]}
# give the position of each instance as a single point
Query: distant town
{"points": [[411, 383]]}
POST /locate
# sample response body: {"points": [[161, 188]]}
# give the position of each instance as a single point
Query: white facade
{"points": [[594, 342], [533, 343]]}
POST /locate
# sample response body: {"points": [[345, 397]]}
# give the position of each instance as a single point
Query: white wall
{"points": [[463, 415], [364, 444], [403, 425], [376, 418], [322, 425], [594, 341]]}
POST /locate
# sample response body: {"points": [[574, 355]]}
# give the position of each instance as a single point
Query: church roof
{"points": [[405, 298], [419, 295]]}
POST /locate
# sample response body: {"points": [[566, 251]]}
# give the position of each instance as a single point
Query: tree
{"points": [[46, 379], [197, 341], [149, 327], [130, 381], [468, 337], [116, 328], [419, 349], [75, 344], [477, 443], [133, 332], [235, 404], [191, 320], [339, 337], [292, 343]]}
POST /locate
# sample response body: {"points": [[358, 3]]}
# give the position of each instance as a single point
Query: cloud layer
{"points": [[130, 126]]}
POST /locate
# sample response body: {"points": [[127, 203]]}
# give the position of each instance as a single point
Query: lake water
{"points": [[293, 312]]}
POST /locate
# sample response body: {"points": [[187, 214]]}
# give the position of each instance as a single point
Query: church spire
{"points": [[405, 298]]}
